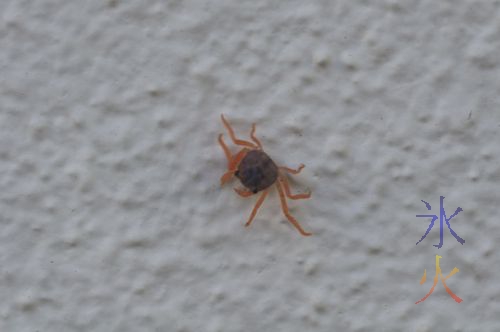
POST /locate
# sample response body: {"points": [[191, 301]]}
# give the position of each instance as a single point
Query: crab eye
{"points": [[255, 191], [236, 173]]}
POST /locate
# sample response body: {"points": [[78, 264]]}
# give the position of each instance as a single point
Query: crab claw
{"points": [[226, 177]]}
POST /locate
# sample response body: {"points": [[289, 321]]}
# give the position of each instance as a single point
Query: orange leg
{"points": [[288, 193], [243, 193], [256, 207], [226, 177], [290, 218], [224, 147], [291, 170], [238, 158], [255, 139], [233, 165], [233, 137]]}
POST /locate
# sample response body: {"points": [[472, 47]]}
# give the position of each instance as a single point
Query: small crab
{"points": [[258, 172]]}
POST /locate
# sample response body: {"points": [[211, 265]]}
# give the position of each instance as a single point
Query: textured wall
{"points": [[111, 213]]}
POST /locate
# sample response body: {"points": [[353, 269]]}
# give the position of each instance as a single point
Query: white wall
{"points": [[111, 214]]}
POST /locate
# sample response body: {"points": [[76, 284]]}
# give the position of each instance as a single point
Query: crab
{"points": [[257, 172]]}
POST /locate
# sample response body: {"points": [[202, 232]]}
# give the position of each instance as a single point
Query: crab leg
{"points": [[233, 165], [288, 193], [291, 170], [255, 139], [256, 207], [284, 207], [233, 137], [224, 147], [243, 193], [237, 159]]}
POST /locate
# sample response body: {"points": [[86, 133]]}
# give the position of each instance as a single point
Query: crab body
{"points": [[257, 173]]}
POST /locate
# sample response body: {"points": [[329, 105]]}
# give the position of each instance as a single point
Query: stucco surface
{"points": [[111, 213]]}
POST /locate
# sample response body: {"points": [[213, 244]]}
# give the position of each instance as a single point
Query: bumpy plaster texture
{"points": [[111, 213]]}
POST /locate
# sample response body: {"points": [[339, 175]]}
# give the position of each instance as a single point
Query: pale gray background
{"points": [[112, 218]]}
